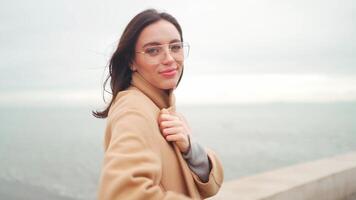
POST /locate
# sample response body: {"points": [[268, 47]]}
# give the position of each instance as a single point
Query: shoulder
{"points": [[132, 100], [130, 116]]}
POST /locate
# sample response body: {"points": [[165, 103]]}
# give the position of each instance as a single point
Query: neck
{"points": [[162, 98]]}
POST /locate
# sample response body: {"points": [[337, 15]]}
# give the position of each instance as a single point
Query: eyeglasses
{"points": [[155, 54]]}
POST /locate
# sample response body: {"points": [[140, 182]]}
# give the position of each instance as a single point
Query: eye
{"points": [[153, 51], [176, 47]]}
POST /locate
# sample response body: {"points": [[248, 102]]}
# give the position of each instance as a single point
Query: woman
{"points": [[149, 153]]}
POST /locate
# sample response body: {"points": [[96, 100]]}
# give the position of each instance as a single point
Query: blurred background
{"points": [[267, 84]]}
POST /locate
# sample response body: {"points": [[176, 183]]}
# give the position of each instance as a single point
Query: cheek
{"points": [[143, 66], [181, 67], [180, 72]]}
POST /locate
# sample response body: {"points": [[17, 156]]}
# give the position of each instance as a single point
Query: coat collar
{"points": [[162, 98]]}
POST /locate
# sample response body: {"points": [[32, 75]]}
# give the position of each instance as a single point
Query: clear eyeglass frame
{"points": [[156, 53]]}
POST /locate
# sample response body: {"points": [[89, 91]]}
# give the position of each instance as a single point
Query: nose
{"points": [[167, 56]]}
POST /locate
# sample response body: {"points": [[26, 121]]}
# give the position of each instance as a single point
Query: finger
{"points": [[175, 138], [184, 121], [168, 124], [164, 111], [167, 117], [171, 131]]}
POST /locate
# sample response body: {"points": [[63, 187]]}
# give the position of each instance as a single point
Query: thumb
{"points": [[164, 111]]}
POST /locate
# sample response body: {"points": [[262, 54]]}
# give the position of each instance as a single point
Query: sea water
{"points": [[56, 152]]}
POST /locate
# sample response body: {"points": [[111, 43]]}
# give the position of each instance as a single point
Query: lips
{"points": [[168, 73]]}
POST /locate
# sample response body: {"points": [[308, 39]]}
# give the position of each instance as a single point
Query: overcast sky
{"points": [[61, 47]]}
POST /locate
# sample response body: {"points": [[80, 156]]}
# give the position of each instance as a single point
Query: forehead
{"points": [[161, 32]]}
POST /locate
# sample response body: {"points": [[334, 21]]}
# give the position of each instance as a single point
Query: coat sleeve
{"points": [[216, 177], [131, 169]]}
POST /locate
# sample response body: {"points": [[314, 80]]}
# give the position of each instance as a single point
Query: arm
{"points": [[206, 168], [131, 169], [215, 178], [198, 161]]}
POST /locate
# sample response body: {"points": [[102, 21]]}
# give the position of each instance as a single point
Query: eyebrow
{"points": [[157, 43]]}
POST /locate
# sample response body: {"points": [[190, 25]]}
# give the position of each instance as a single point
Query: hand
{"points": [[175, 128]]}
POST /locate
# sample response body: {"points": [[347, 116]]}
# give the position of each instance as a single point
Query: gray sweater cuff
{"points": [[198, 160]]}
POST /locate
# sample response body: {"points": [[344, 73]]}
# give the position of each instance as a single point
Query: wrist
{"points": [[186, 150]]}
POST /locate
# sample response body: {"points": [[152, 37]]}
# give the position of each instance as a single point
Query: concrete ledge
{"points": [[327, 179]]}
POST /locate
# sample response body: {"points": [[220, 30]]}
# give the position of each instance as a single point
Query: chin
{"points": [[170, 84]]}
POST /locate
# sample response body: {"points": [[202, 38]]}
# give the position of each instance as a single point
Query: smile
{"points": [[169, 73]]}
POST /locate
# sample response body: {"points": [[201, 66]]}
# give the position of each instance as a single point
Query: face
{"points": [[162, 70]]}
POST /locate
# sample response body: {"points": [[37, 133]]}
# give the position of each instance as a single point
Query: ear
{"points": [[133, 66]]}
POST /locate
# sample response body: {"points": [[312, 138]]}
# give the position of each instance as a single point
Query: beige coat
{"points": [[138, 162]]}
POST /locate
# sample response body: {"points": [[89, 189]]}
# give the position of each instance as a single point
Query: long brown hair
{"points": [[119, 66]]}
